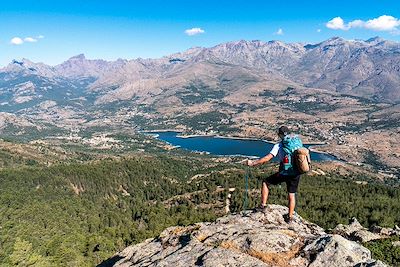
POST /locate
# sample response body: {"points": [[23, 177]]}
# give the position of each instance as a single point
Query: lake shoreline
{"points": [[227, 146], [238, 138]]}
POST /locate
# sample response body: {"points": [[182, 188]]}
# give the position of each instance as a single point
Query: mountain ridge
{"points": [[369, 68]]}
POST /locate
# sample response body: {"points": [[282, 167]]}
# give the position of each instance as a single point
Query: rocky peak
{"points": [[27, 67], [375, 40], [80, 66], [334, 41], [247, 239], [14, 66], [78, 57], [187, 54]]}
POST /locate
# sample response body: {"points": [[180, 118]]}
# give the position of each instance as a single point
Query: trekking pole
{"points": [[245, 200]]}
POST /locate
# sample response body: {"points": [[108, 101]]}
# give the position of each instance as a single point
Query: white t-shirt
{"points": [[277, 150]]}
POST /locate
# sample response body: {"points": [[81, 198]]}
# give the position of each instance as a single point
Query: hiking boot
{"points": [[261, 208], [288, 219]]}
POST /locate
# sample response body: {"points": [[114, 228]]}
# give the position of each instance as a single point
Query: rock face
{"points": [[249, 239]]}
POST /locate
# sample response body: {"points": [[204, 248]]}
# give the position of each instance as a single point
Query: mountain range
{"points": [[334, 91], [368, 68]]}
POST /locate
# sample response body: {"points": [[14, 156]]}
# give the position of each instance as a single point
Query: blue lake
{"points": [[222, 146]]}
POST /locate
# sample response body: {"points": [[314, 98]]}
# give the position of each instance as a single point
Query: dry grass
{"points": [[230, 245], [201, 237], [290, 233], [281, 259]]}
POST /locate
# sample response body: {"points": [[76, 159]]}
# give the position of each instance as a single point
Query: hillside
{"points": [[80, 214]]}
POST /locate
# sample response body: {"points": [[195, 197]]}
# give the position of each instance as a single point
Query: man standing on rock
{"points": [[287, 172]]}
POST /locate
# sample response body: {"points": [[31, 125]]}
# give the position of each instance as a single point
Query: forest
{"points": [[80, 214]]}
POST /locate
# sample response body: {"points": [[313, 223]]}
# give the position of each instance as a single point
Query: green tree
{"points": [[23, 255]]}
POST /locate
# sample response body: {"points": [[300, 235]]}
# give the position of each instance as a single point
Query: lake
{"points": [[222, 146]]}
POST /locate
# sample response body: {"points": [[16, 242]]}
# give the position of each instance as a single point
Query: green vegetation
{"points": [[80, 214], [208, 120], [7, 159], [307, 107], [384, 250], [199, 92], [374, 160]]}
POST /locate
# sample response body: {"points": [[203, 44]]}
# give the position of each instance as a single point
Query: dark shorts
{"points": [[292, 182]]}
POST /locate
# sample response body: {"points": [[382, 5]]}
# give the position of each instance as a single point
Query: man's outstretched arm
{"points": [[260, 161]]}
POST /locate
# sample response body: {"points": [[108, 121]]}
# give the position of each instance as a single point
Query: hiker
{"points": [[288, 173]]}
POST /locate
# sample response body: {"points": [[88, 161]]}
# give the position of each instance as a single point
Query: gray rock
{"points": [[382, 230], [371, 263], [356, 232], [365, 236], [247, 239], [347, 230], [220, 257], [396, 230], [335, 250]]}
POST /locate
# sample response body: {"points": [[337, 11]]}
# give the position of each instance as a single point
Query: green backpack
{"points": [[290, 144]]}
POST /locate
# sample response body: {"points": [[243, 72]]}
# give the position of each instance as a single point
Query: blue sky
{"points": [[53, 31]]}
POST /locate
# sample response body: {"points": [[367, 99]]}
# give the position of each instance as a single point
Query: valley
{"points": [[241, 89]]}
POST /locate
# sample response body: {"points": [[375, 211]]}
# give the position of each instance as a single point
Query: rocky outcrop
{"points": [[247, 239], [356, 232]]}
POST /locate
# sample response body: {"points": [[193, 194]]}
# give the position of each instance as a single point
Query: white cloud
{"points": [[382, 23], [279, 32], [336, 24], [318, 30], [30, 40], [356, 24], [20, 41], [16, 41], [194, 31]]}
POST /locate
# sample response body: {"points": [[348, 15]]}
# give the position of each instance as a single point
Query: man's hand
{"points": [[260, 161], [251, 162]]}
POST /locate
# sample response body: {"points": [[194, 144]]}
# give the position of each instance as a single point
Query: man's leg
{"points": [[273, 179], [292, 185], [292, 204], [264, 194]]}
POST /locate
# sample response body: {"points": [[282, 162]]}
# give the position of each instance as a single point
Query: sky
{"points": [[53, 31]]}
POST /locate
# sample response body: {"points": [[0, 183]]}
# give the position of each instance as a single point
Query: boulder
{"points": [[329, 249], [356, 232], [347, 230]]}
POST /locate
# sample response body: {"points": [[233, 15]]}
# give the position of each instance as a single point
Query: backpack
{"points": [[302, 160], [297, 158]]}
